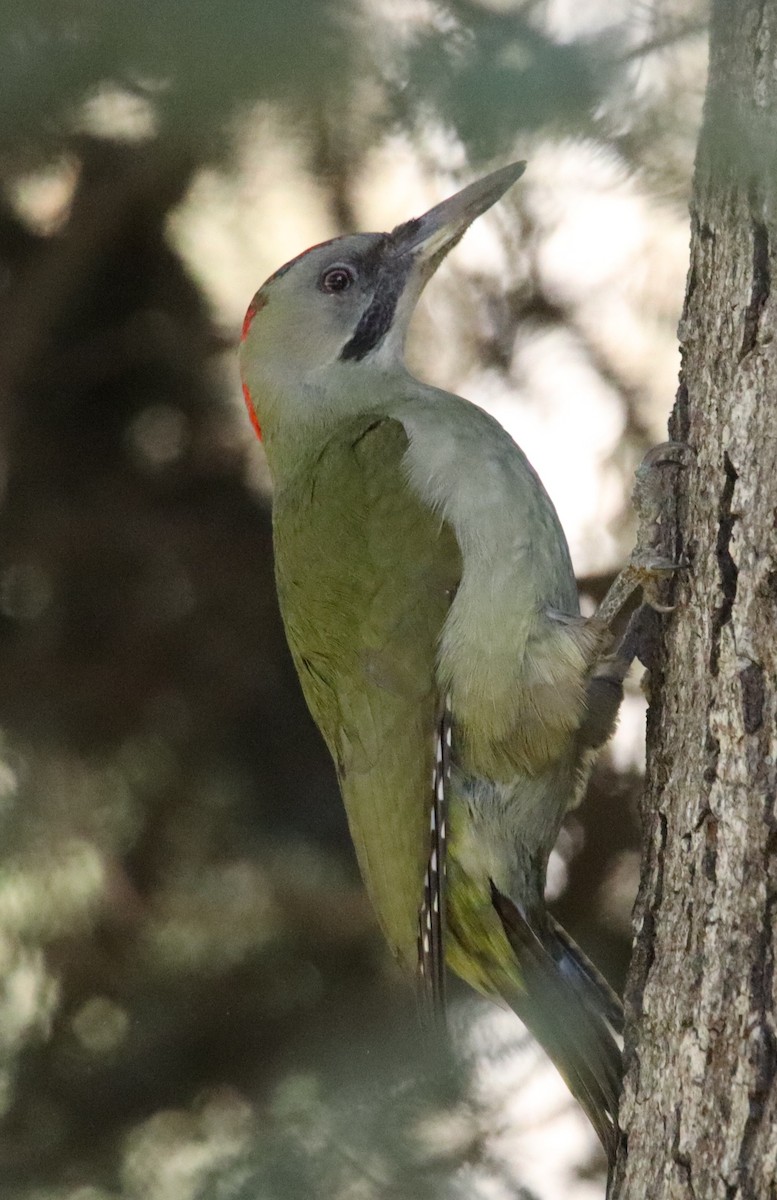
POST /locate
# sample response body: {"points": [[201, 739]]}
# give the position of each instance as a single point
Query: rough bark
{"points": [[700, 1101]]}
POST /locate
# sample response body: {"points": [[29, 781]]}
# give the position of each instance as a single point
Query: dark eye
{"points": [[336, 279]]}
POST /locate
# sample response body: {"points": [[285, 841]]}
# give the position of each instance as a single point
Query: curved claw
{"points": [[650, 571], [669, 453]]}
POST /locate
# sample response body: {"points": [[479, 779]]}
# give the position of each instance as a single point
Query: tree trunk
{"points": [[700, 1100]]}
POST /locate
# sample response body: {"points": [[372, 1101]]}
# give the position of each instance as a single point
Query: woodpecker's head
{"points": [[349, 301]]}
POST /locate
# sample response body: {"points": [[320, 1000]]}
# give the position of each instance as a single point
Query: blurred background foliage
{"points": [[194, 1002]]}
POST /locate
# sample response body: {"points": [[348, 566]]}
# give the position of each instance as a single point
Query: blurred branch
{"points": [[662, 41]]}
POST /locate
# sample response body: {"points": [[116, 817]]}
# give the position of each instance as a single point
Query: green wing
{"points": [[366, 574]]}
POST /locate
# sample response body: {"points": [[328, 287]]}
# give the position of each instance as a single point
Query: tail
{"points": [[573, 1013]]}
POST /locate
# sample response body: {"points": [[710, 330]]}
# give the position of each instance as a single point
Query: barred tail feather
{"points": [[572, 1012], [574, 963]]}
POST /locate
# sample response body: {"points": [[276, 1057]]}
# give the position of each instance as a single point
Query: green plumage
{"points": [[366, 574], [431, 609]]}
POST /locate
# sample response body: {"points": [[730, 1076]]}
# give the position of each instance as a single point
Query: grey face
{"points": [[362, 277], [338, 301]]}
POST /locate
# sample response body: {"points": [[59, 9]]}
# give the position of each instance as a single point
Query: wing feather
{"points": [[366, 574], [431, 920]]}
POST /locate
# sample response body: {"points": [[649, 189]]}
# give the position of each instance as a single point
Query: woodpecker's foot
{"points": [[647, 568], [641, 639]]}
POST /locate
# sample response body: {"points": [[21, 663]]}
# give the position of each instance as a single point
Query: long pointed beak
{"points": [[430, 237]]}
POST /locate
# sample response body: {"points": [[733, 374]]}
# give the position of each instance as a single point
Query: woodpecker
{"points": [[432, 614]]}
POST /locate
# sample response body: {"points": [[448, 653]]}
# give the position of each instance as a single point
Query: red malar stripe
{"points": [[254, 307], [251, 412]]}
